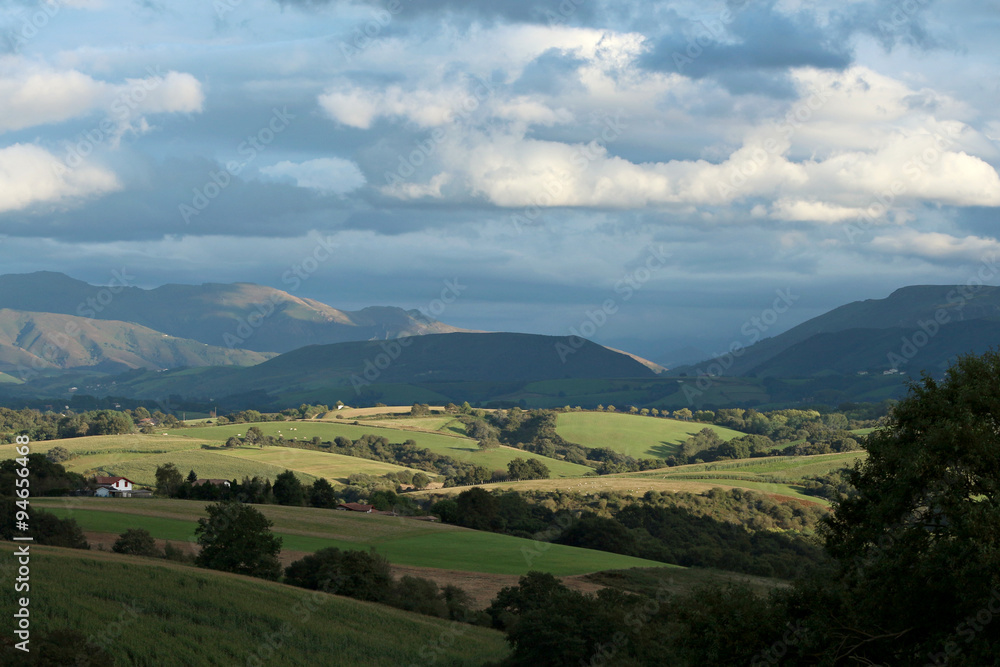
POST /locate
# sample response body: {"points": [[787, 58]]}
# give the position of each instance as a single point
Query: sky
{"points": [[653, 175]]}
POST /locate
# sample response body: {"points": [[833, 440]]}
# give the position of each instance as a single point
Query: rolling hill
{"points": [[240, 315], [924, 326], [432, 361], [45, 341], [158, 612]]}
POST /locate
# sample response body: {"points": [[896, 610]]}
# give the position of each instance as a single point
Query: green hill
{"points": [[154, 612], [431, 362], [634, 435], [306, 529], [454, 446], [971, 317]]}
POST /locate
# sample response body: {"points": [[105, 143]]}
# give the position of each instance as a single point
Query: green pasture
{"points": [[403, 541], [634, 435]]}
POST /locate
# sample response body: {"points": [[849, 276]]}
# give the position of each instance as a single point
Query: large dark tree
{"points": [[322, 494], [237, 538], [919, 545], [168, 479], [288, 489]]}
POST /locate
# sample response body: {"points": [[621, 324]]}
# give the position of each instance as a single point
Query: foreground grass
{"points": [[152, 612], [402, 541], [640, 437]]}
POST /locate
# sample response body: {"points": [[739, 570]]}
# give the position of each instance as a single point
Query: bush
{"points": [[136, 542], [356, 574]]}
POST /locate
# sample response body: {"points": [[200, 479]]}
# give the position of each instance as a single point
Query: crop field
{"points": [[775, 466], [155, 612], [137, 456], [637, 436], [315, 464], [402, 541], [463, 449], [623, 485], [774, 475]]}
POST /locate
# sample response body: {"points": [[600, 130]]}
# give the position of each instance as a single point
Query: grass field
{"points": [[463, 449], [640, 437], [624, 485], [402, 541], [155, 612], [774, 475], [137, 456]]}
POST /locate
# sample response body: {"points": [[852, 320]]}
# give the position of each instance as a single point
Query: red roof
{"points": [[356, 507], [111, 481]]}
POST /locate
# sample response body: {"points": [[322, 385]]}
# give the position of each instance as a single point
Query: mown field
{"points": [[154, 612], [403, 541], [463, 449], [137, 457], [775, 475], [634, 435]]}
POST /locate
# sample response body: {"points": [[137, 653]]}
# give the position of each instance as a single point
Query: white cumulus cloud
{"points": [[31, 175]]}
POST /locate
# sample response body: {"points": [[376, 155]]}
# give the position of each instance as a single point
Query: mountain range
{"points": [[215, 341], [239, 315], [914, 329]]}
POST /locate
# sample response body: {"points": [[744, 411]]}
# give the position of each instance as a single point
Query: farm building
{"points": [[119, 487], [216, 482], [355, 507]]}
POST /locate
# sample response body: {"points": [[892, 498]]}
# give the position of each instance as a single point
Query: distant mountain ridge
{"points": [[916, 328], [34, 342], [240, 315]]}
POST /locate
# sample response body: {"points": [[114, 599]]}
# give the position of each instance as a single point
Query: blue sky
{"points": [[674, 165]]}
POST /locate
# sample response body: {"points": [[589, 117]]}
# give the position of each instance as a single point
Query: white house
{"points": [[120, 487]]}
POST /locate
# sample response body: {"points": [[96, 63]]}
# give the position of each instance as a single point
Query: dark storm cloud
{"points": [[747, 38], [553, 12], [196, 197]]}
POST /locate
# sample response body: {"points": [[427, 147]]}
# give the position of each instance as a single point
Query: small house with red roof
{"points": [[119, 487]]}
